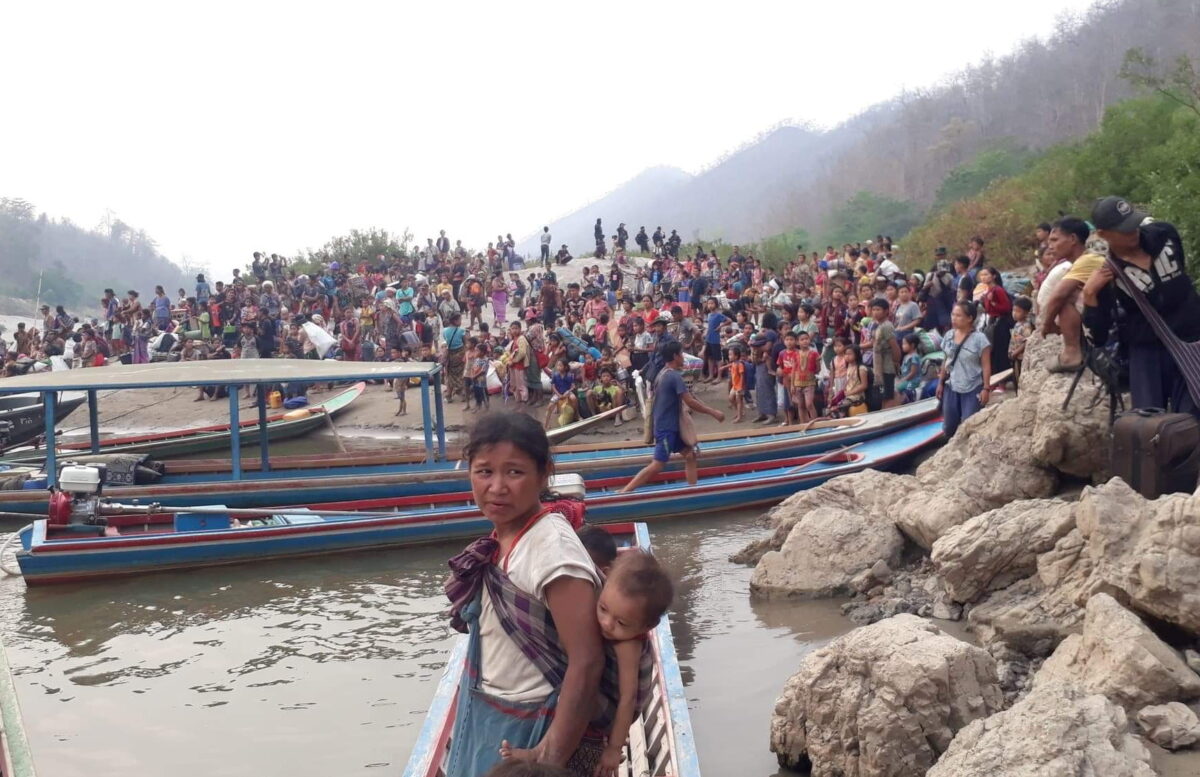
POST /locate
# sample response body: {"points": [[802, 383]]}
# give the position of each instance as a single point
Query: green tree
{"points": [[1002, 160], [867, 214], [773, 252], [359, 245]]}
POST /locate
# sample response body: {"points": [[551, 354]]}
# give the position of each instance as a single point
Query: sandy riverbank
{"points": [[371, 417]]}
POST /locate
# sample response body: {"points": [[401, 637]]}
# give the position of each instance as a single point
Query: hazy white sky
{"points": [[224, 128]]}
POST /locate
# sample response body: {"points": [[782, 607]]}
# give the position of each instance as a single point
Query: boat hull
{"points": [[29, 421], [46, 561], [265, 489], [185, 442]]}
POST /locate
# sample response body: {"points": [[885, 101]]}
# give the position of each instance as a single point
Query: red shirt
{"points": [[996, 302], [788, 362]]}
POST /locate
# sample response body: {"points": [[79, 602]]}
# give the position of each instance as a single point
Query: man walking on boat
{"points": [[670, 396]]}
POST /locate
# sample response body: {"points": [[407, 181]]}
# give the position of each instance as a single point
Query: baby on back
{"points": [[636, 594]]}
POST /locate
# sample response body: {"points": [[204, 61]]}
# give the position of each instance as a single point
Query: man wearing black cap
{"points": [[1150, 257]]}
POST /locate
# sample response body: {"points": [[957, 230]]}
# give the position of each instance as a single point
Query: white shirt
{"points": [[1049, 282], [548, 551], [545, 238]]}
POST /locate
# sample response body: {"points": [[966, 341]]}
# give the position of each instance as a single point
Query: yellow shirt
{"points": [[1083, 267]]}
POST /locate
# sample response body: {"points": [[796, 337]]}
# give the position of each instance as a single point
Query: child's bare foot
{"points": [[507, 752]]}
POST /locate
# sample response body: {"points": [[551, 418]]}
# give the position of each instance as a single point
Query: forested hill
{"points": [[1046, 92], [75, 264]]}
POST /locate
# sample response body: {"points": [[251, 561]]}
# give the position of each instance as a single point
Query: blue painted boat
{"points": [[660, 740], [384, 482], [139, 543], [182, 442]]}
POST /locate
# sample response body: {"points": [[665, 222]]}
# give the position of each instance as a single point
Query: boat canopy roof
{"points": [[215, 372]]}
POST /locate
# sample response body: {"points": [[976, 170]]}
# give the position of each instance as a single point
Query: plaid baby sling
{"points": [[529, 624]]}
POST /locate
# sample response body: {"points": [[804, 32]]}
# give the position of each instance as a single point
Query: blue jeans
{"points": [[958, 406], [1155, 380]]}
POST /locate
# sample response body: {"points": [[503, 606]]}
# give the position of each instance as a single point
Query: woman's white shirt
{"points": [[550, 549]]}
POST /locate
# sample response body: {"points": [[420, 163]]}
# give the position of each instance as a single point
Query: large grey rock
{"points": [[868, 492], [1034, 614], [1120, 657], [1015, 450], [885, 699], [1055, 730], [984, 466], [995, 549], [1075, 441], [1147, 550], [1011, 451], [825, 551], [1172, 726]]}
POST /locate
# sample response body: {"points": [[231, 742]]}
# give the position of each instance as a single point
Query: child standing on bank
{"points": [[786, 363], [400, 385], [737, 382], [1023, 327], [909, 383], [805, 378], [477, 373]]}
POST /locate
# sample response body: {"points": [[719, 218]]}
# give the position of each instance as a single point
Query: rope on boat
{"points": [[4, 563]]}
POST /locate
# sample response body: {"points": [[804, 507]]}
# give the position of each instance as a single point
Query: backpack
{"points": [[925, 344]]}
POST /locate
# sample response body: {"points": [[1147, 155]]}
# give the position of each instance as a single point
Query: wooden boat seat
{"points": [[648, 752]]}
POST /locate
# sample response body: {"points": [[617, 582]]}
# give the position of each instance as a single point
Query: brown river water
{"points": [[325, 666]]}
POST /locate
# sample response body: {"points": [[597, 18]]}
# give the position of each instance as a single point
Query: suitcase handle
{"points": [[1147, 412]]}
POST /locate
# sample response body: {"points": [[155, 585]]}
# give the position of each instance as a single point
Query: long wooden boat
{"points": [[16, 759], [133, 544], [561, 434], [660, 740], [181, 442], [181, 487], [28, 420]]}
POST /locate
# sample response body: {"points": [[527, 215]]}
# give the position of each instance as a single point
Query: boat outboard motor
{"points": [[76, 501], [6, 428]]}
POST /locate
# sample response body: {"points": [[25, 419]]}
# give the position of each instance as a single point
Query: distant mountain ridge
{"points": [[1041, 94]]}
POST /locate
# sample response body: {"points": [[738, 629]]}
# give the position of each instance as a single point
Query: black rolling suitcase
{"points": [[1156, 452]]}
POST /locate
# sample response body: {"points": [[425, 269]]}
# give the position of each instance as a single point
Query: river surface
{"points": [[325, 666]]}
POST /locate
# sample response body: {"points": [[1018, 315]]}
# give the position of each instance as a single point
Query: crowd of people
{"points": [[830, 333]]}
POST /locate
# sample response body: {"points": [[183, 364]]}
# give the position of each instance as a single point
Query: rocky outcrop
{"points": [[1172, 726], [1055, 730], [885, 699], [1074, 441], [1033, 615], [913, 588], [995, 549], [1149, 551], [984, 466], [863, 492], [1012, 451], [1120, 657], [827, 549]]}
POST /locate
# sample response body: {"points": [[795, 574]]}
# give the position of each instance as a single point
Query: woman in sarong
{"points": [[526, 596], [499, 298], [455, 338]]}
